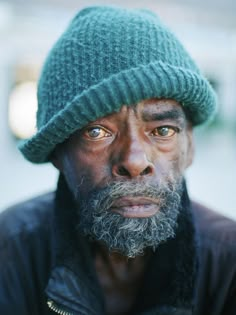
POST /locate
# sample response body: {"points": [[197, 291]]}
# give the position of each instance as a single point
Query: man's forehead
{"points": [[148, 108]]}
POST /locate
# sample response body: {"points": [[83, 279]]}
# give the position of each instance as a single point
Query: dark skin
{"points": [[150, 142]]}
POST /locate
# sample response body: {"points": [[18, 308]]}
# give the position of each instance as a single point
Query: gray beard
{"points": [[130, 236]]}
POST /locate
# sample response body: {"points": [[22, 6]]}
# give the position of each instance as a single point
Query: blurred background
{"points": [[28, 28]]}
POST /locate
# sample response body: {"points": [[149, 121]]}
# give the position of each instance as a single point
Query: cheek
{"points": [[172, 161], [85, 172], [180, 158]]}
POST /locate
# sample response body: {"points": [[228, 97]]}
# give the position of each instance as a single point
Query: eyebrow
{"points": [[172, 114]]}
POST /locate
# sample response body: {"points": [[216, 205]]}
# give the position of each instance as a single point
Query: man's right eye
{"points": [[96, 133]]}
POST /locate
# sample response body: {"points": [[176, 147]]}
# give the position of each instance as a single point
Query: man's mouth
{"points": [[135, 207]]}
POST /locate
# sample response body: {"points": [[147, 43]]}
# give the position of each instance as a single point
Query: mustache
{"points": [[103, 198]]}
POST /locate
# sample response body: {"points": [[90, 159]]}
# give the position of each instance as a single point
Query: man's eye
{"points": [[96, 133], [164, 131]]}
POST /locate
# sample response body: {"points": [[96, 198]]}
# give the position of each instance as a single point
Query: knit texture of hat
{"points": [[106, 58]]}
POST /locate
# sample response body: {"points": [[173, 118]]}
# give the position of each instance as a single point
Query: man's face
{"points": [[125, 171]]}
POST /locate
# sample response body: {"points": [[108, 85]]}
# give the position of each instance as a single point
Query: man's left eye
{"points": [[164, 131], [96, 133]]}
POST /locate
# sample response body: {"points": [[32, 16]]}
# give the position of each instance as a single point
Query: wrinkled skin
{"points": [[148, 142]]}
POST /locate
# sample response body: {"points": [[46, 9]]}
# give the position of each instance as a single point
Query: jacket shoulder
{"points": [[213, 226], [26, 216]]}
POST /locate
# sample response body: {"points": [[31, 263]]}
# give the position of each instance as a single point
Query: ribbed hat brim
{"points": [[155, 80]]}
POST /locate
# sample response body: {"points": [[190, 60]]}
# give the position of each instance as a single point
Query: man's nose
{"points": [[132, 161]]}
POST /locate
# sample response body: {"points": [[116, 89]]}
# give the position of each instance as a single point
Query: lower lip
{"points": [[136, 211]]}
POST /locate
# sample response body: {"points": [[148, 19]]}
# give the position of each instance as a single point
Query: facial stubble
{"points": [[130, 236]]}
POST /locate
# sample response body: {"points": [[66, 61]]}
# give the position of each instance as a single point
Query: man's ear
{"points": [[55, 159], [190, 146]]}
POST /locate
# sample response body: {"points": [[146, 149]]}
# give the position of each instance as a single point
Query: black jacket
{"points": [[44, 261]]}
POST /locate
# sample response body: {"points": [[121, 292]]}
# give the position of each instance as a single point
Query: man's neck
{"points": [[120, 278]]}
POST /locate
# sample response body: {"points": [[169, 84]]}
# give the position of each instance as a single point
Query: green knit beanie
{"points": [[108, 57]]}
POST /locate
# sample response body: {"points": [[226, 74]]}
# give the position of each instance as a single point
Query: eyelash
{"points": [[89, 129]]}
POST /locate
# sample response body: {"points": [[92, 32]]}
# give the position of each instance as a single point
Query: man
{"points": [[118, 97]]}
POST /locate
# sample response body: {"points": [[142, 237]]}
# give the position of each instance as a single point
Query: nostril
{"points": [[122, 171], [146, 171]]}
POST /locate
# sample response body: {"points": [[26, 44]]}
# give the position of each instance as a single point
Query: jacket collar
{"points": [[169, 282]]}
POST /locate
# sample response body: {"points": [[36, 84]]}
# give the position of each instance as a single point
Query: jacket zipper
{"points": [[57, 309]]}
